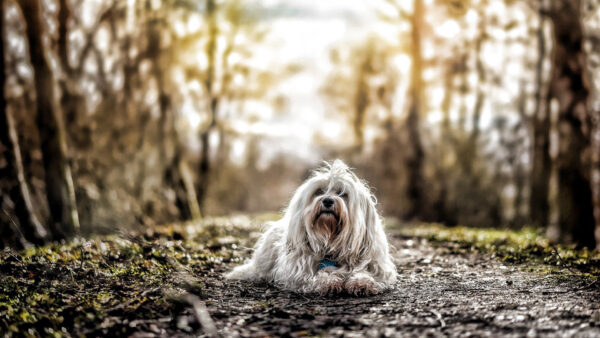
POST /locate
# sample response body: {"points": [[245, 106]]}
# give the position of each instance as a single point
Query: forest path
{"points": [[166, 281], [441, 291]]}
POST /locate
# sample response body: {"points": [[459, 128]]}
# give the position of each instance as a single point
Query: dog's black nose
{"points": [[328, 202]]}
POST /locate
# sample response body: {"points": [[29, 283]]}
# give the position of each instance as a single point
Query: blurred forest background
{"points": [[123, 114]]}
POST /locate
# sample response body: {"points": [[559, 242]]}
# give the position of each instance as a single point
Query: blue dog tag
{"points": [[326, 263]]}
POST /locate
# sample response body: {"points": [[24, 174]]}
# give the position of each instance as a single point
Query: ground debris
{"points": [[169, 282]]}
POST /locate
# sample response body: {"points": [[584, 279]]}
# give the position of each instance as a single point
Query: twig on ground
{"points": [[587, 286], [297, 305], [17, 230], [81, 260], [201, 313], [137, 322], [562, 262], [132, 300], [439, 318], [546, 292]]}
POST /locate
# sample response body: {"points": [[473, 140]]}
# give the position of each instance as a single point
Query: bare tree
{"points": [[361, 80], [539, 207], [416, 154], [178, 173], [224, 23], [30, 227], [213, 99], [59, 183], [480, 40], [569, 87], [73, 97]]}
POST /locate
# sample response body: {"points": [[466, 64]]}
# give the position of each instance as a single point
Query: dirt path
{"points": [[441, 291], [158, 285]]}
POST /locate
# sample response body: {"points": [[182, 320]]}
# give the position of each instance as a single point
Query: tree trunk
{"points": [[72, 102], [416, 154], [213, 103], [179, 177], [539, 207], [204, 167], [471, 147], [177, 174], [32, 229], [361, 103], [443, 205], [59, 183], [519, 172], [569, 87], [592, 41]]}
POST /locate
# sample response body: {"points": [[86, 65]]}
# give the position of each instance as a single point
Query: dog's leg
{"points": [[328, 281], [373, 278], [297, 272], [377, 272], [259, 267], [362, 283]]}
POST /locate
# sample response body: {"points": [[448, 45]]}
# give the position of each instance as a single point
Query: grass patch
{"points": [[527, 245], [109, 285]]}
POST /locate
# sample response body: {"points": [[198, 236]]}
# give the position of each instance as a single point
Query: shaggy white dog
{"points": [[330, 240]]}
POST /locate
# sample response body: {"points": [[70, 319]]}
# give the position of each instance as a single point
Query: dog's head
{"points": [[328, 209], [332, 212]]}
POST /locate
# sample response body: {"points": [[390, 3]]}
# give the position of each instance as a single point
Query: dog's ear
{"points": [[358, 237], [296, 234], [375, 246], [296, 237], [372, 222]]}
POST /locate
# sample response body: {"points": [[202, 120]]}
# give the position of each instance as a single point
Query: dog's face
{"points": [[328, 210], [332, 212]]}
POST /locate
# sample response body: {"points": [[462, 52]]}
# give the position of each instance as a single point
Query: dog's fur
{"points": [[349, 232]]}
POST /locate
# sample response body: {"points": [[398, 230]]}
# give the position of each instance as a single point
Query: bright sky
{"points": [[300, 33], [303, 32]]}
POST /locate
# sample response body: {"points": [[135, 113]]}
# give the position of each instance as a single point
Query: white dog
{"points": [[330, 240]]}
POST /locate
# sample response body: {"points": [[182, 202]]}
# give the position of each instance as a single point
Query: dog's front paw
{"points": [[362, 285], [328, 284]]}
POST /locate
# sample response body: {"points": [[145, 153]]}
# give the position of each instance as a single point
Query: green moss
{"points": [[69, 289], [265, 304], [527, 245]]}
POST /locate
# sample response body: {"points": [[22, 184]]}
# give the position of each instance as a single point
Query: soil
{"points": [[164, 285], [441, 291]]}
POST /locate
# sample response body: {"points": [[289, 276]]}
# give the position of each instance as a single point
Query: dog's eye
{"points": [[319, 192], [342, 194]]}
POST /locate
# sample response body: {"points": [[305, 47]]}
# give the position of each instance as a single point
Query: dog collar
{"points": [[326, 263]]}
